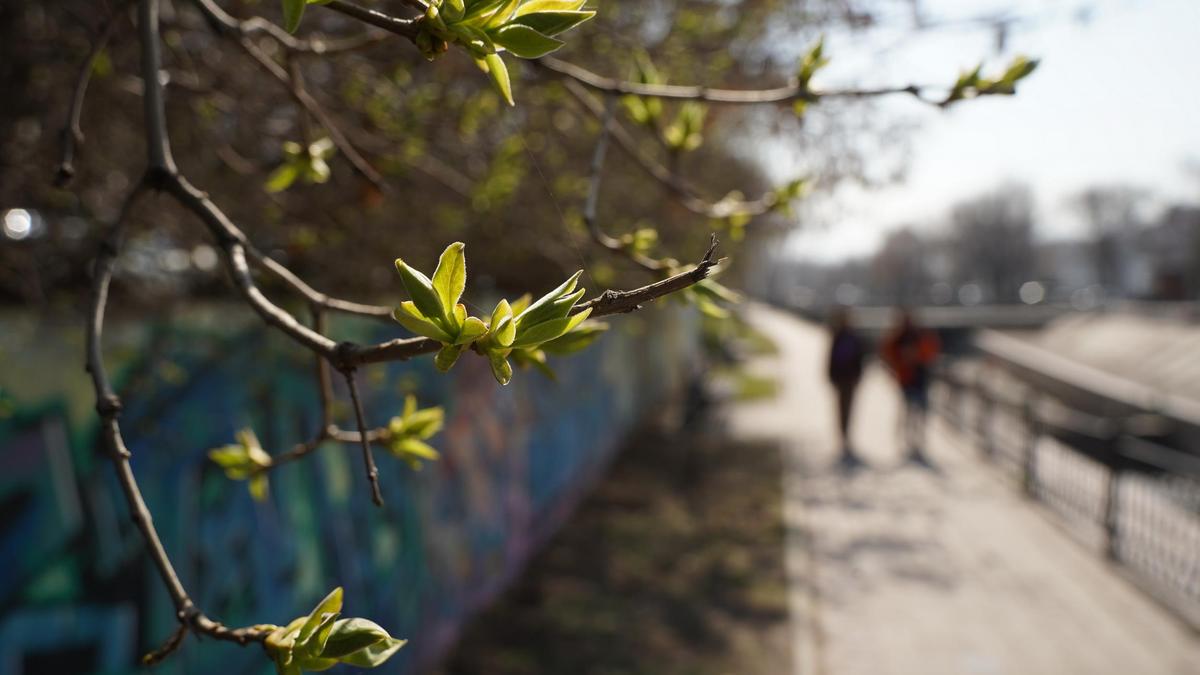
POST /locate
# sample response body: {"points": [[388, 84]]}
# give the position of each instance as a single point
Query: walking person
{"points": [[910, 352], [846, 355]]}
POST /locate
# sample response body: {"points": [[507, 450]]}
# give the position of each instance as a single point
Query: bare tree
{"points": [[992, 237], [1113, 213], [899, 268]]}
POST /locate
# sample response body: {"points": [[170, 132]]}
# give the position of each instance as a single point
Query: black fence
{"points": [[1104, 479]]}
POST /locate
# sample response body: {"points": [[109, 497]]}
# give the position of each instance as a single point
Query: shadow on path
{"points": [[673, 565]]}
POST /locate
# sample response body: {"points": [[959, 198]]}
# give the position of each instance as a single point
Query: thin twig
{"points": [[231, 240], [593, 196], [72, 133], [297, 451], [368, 458], [403, 27], [794, 92], [687, 195], [622, 302], [158, 146], [329, 433], [324, 378], [313, 296], [294, 84], [222, 21], [168, 647]]}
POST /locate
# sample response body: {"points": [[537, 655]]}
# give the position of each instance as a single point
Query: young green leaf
{"points": [[254, 450], [282, 178], [421, 290], [717, 292], [506, 332], [447, 356], [536, 6], [472, 330], [524, 41], [453, 10], [502, 311], [450, 277], [259, 485], [229, 456], [351, 635], [479, 13], [546, 331], [553, 22], [457, 318], [324, 147], [577, 339], [502, 14], [535, 312], [500, 367], [521, 304], [813, 61], [542, 312], [293, 12], [415, 448], [499, 74], [375, 654], [535, 358], [420, 424], [411, 318], [331, 604]]}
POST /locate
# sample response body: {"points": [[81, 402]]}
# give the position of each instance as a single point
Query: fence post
{"points": [[983, 413], [1112, 504], [1033, 433]]}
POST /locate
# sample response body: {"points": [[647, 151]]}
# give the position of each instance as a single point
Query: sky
{"points": [[1116, 99]]}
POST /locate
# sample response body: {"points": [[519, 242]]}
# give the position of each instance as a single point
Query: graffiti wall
{"points": [[77, 593]]}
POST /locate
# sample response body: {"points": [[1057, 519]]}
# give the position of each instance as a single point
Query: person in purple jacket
{"points": [[846, 354]]}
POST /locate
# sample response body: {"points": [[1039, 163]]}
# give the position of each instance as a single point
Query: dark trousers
{"points": [[845, 402]]}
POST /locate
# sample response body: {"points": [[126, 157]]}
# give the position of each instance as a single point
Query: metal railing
{"points": [[1128, 497]]}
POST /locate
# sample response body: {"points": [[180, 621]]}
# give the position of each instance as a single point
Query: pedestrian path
{"points": [[902, 568]]}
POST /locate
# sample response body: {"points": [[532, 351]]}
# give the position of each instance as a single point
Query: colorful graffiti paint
{"points": [[78, 594]]}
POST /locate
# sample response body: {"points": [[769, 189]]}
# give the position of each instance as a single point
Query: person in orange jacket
{"points": [[910, 352]]}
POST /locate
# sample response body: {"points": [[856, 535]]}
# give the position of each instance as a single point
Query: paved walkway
{"points": [[902, 569]]}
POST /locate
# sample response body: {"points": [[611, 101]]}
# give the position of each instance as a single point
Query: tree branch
{"points": [[714, 95], [623, 302], [108, 404], [72, 133], [687, 195], [231, 240], [324, 378], [593, 195], [223, 22], [313, 296], [158, 147], [406, 28], [173, 642], [368, 458]]}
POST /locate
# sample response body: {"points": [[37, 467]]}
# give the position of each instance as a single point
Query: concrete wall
{"points": [[78, 594]]}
